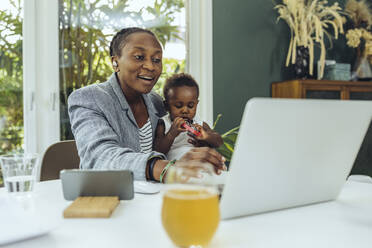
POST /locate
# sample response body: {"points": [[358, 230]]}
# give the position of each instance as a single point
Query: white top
{"points": [[346, 222], [180, 145], [145, 136]]}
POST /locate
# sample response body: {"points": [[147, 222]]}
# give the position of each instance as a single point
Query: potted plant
{"points": [[229, 139], [308, 21], [360, 37]]}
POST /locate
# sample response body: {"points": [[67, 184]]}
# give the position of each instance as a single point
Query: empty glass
{"points": [[19, 172], [190, 211]]}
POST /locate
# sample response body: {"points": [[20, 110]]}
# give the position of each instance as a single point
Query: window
{"points": [[48, 59], [87, 27], [11, 73]]}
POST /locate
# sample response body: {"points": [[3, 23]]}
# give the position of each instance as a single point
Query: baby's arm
{"points": [[163, 142], [208, 135]]}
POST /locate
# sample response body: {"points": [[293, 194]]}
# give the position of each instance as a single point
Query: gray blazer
{"points": [[105, 130]]}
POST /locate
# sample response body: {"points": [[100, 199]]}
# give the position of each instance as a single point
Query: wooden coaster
{"points": [[91, 207]]}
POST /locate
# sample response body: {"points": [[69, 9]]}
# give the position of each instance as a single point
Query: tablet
{"points": [[77, 183]]}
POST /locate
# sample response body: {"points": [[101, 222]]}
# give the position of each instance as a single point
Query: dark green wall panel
{"points": [[249, 52], [249, 49]]}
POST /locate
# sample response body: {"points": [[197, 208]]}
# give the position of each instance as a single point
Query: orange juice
{"points": [[190, 215]]}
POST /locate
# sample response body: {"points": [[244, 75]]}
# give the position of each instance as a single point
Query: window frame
{"points": [[199, 62], [40, 75]]}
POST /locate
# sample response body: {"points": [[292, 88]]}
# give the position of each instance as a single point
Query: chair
{"points": [[59, 156]]}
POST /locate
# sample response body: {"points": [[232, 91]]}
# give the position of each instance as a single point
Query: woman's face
{"points": [[140, 64], [182, 102]]}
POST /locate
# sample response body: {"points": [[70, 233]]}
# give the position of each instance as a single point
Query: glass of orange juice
{"points": [[190, 211]]}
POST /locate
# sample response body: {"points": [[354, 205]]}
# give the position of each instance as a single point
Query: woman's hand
{"points": [[198, 157], [176, 127]]}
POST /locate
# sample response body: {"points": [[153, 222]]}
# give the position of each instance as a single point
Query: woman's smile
{"points": [[146, 79]]}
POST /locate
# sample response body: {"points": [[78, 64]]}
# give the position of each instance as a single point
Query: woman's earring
{"points": [[115, 65]]}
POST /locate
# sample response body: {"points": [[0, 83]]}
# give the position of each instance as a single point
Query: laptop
{"points": [[292, 152]]}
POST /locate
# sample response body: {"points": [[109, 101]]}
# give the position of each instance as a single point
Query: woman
{"points": [[114, 122]]}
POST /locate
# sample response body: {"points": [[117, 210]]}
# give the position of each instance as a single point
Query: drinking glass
{"points": [[190, 211], [19, 172]]}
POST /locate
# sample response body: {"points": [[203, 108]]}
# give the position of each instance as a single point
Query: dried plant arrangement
{"points": [[355, 37], [360, 36], [308, 21], [360, 13]]}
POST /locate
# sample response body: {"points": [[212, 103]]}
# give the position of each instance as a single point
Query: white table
{"points": [[346, 222]]}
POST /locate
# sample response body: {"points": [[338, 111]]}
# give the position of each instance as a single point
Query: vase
{"points": [[362, 70], [301, 66]]}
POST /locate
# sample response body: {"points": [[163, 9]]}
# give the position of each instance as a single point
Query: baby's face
{"points": [[182, 102]]}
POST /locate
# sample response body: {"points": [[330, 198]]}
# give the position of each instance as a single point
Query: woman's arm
{"points": [[196, 157]]}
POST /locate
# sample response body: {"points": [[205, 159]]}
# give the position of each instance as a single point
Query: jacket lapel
{"points": [[122, 100], [153, 113]]}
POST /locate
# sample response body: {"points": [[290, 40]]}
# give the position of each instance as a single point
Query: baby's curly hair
{"points": [[178, 80]]}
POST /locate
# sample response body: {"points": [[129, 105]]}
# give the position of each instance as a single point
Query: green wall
{"points": [[249, 52]]}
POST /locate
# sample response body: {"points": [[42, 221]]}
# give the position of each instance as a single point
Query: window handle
{"points": [[32, 101], [54, 99]]}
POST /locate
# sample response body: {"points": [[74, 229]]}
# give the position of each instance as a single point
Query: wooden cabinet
{"points": [[326, 89], [322, 89]]}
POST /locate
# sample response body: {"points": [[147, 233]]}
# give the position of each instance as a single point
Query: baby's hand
{"points": [[204, 132], [207, 137], [201, 139], [176, 127]]}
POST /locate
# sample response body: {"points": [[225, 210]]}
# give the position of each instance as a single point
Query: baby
{"points": [[173, 138]]}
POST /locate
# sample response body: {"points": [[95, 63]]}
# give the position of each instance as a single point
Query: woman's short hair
{"points": [[120, 39], [178, 80]]}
